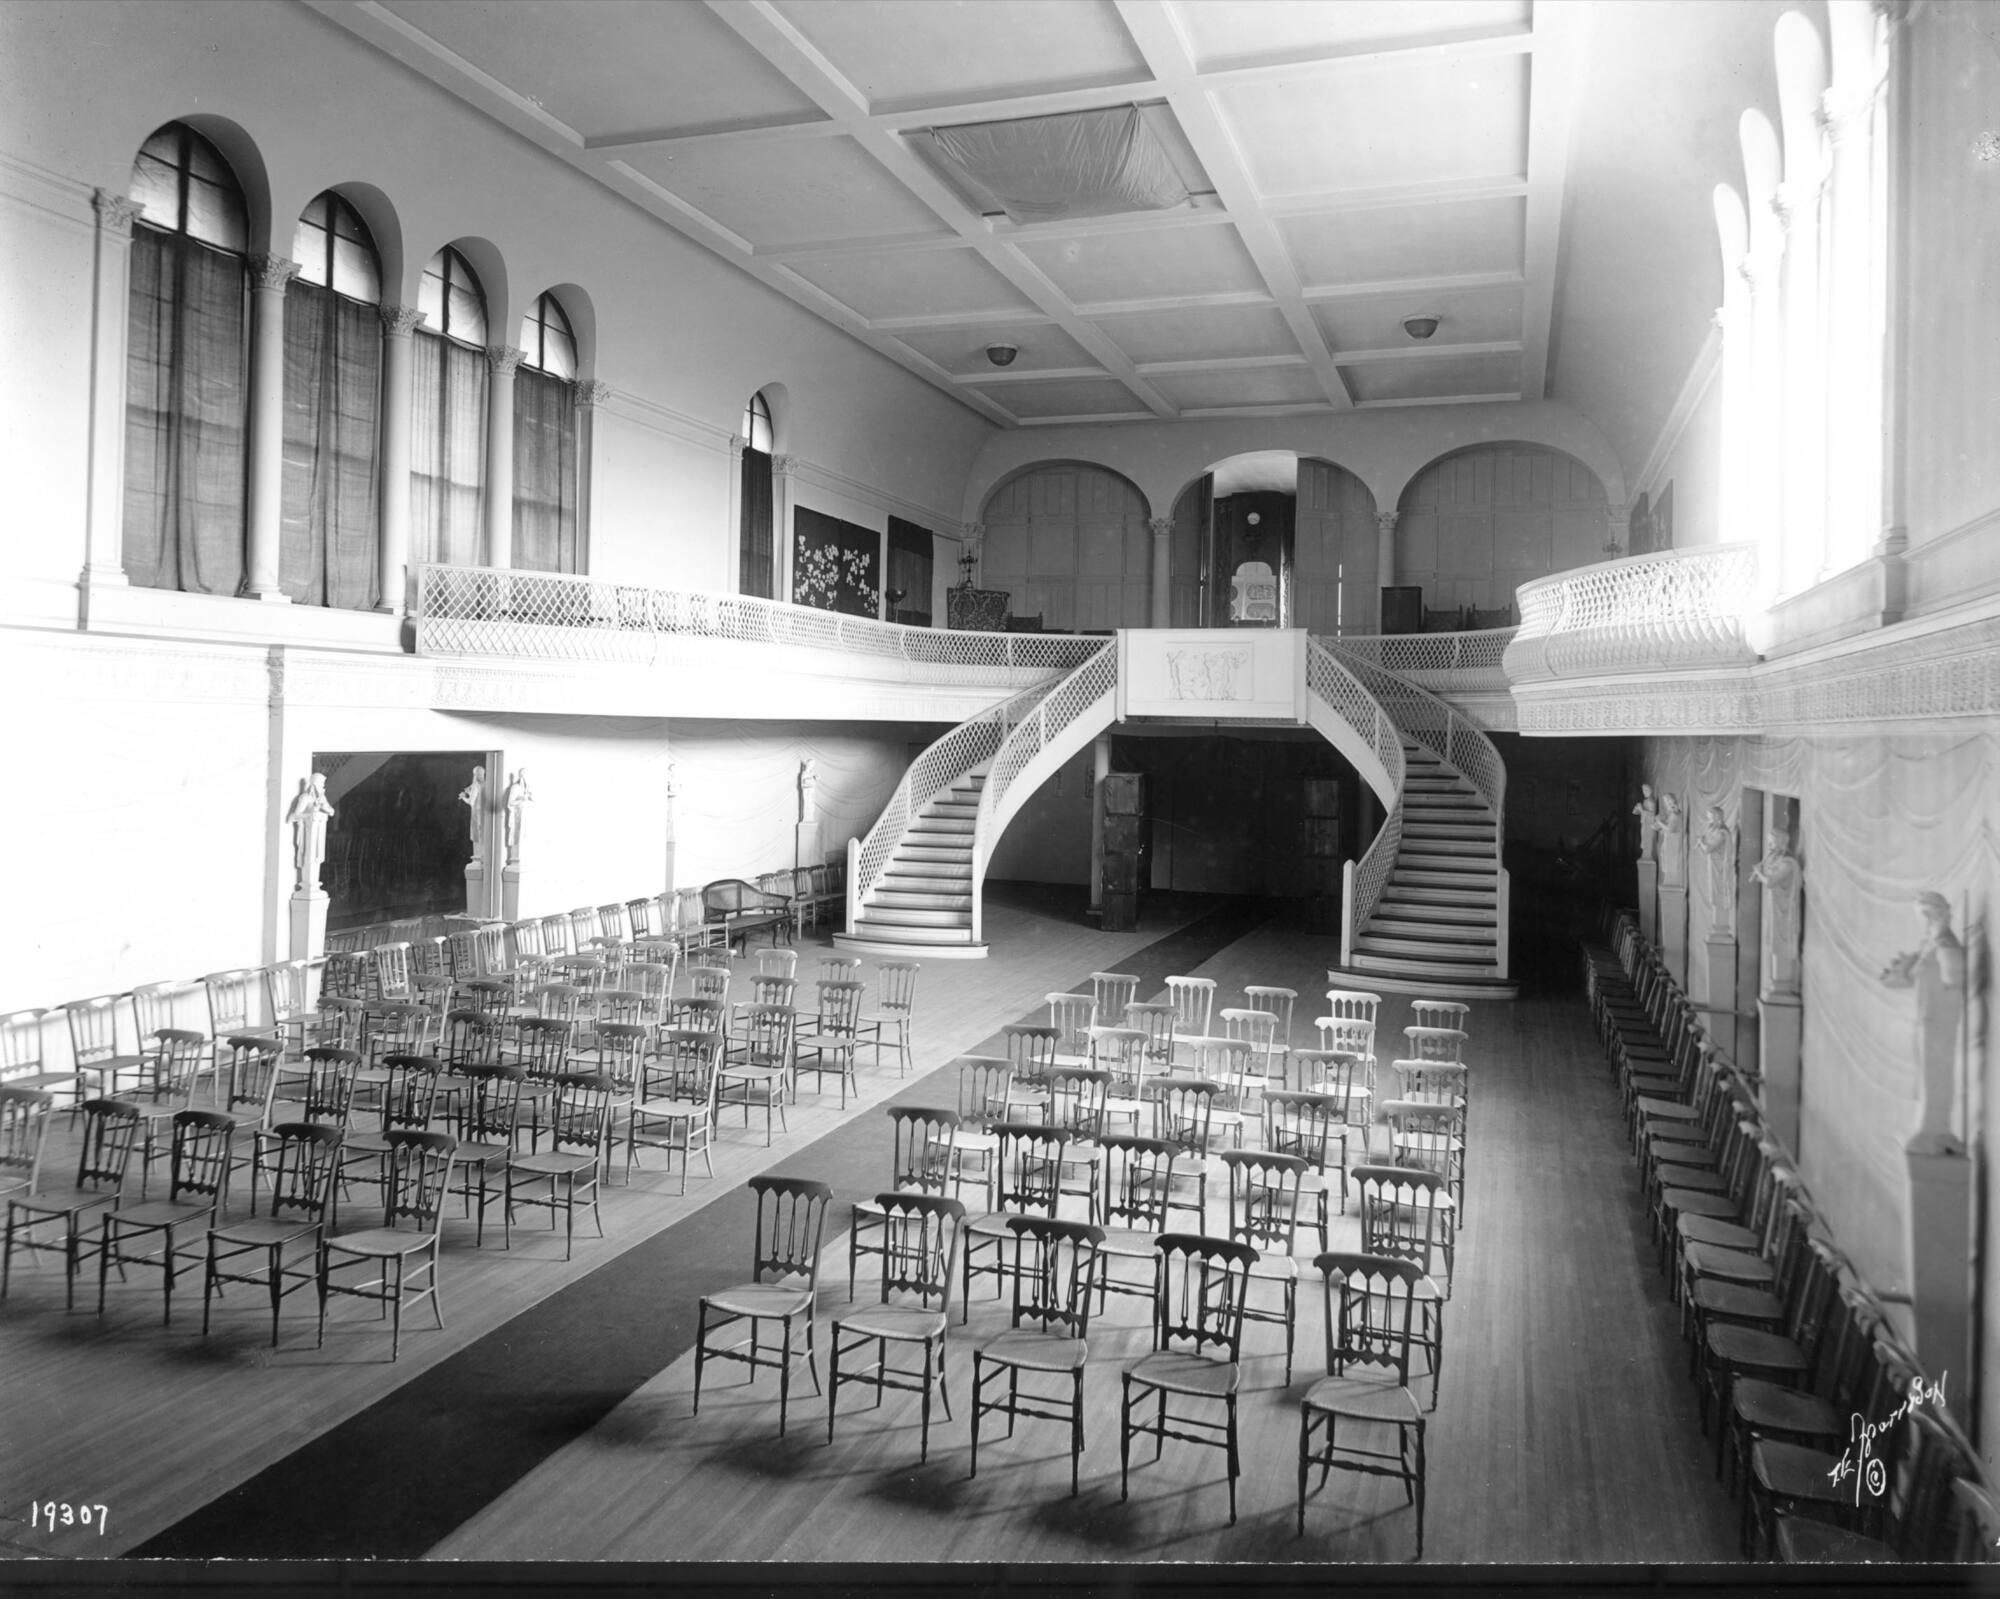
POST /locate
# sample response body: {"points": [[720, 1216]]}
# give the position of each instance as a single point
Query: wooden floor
{"points": [[1565, 1429]]}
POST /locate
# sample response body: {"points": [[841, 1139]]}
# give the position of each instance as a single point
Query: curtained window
{"points": [[910, 558], [328, 541], [757, 544], [546, 536], [448, 414], [187, 388]]}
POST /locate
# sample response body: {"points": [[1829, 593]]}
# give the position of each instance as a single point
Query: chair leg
{"points": [[1125, 1441], [978, 1377], [700, 1350], [1075, 1429], [784, 1378], [833, 1382], [1233, 1462]]}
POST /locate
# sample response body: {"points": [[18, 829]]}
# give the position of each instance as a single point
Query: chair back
{"points": [[200, 1165], [1233, 1063], [93, 1029], [489, 1111], [621, 1054], [983, 1081], [1297, 1122], [837, 968], [581, 1117], [290, 991], [1338, 1073], [401, 1027], [1183, 1112], [24, 1130], [1078, 1096], [419, 1175], [920, 1244], [530, 940], [490, 950], [302, 1168], [1346, 1034], [1403, 1213], [1031, 1051], [392, 971], [343, 1021], [1029, 1162], [1071, 1016], [839, 1008], [709, 982], [1353, 1005], [1138, 1175], [559, 1000], [1193, 999], [471, 1038], [1120, 1053], [767, 1034], [461, 955], [156, 1006], [639, 917], [1428, 1136], [654, 981], [1435, 1043], [619, 1005], [611, 923], [1111, 992], [1370, 1312], [1278, 1002], [1264, 1189], [177, 1056], [1258, 1029], [775, 961], [896, 987], [21, 1044], [923, 1142], [791, 1217], [232, 1000], [544, 1044], [1440, 1012], [698, 1014], [1057, 1269], [1441, 1082], [328, 1092], [111, 1131], [689, 1056], [1155, 1021], [410, 1096], [1200, 1286]]}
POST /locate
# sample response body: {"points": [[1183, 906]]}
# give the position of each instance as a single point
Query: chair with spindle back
{"points": [[983, 1082], [677, 1114], [1193, 1000], [571, 1170], [111, 1133], [303, 1162], [828, 1041], [1440, 1013], [1183, 1118], [401, 1254], [1110, 993], [197, 1188], [1027, 1182], [1311, 1127], [24, 1131], [1278, 1002], [923, 1143], [1155, 1020], [1408, 1214], [101, 1066], [1137, 1178], [1350, 1035], [1120, 1053], [757, 1067], [23, 1064], [1265, 1198], [1031, 1050], [1078, 1096], [895, 1005]]}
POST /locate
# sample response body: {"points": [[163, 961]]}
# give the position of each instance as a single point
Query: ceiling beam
{"points": [[1442, 283], [1444, 191], [1156, 32], [1430, 352], [1561, 27]]}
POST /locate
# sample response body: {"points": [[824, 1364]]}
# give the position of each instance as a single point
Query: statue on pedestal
{"points": [[808, 788], [473, 797], [1648, 812], [1718, 843], [309, 813], [1935, 969], [516, 799], [1783, 879], [1672, 849]]}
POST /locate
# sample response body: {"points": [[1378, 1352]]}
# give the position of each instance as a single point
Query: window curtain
{"points": [[756, 542], [545, 516], [447, 450], [833, 564], [328, 546], [910, 555], [187, 396]]}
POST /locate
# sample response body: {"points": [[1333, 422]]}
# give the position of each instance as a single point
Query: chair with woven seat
{"points": [[1440, 1012], [402, 1251], [1071, 1016], [101, 1066], [783, 1287], [291, 1000], [1343, 1074], [1434, 1043], [1156, 1020], [895, 1005], [24, 1131], [1136, 1176], [1027, 1181], [1078, 1097], [174, 1064], [1311, 1126], [303, 1163], [923, 1146], [773, 961], [920, 1241], [235, 1007], [1236, 1068], [1408, 1214], [1430, 1136], [1183, 1117], [1349, 1024], [570, 1171], [757, 1068], [618, 1051], [23, 1061], [1193, 1000], [1031, 1053], [1265, 1198], [1278, 1003], [678, 1114], [1200, 1285], [828, 1041], [983, 1081], [111, 1132], [708, 981], [1121, 1053], [486, 1127], [408, 1100], [197, 1189], [1047, 1333], [1371, 1309], [1729, 1350], [1110, 993], [323, 1095], [697, 1014]]}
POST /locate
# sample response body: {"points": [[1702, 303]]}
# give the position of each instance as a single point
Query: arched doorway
{"points": [[1070, 544]]}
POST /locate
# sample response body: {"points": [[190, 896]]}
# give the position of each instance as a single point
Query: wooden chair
{"points": [[923, 1150], [1199, 1288], [1071, 1016], [1193, 1000], [401, 1253], [682, 1119], [100, 1065], [1264, 1200], [831, 1039], [1258, 1029], [758, 1069], [1110, 993], [1435, 1043], [1047, 1333], [895, 1005], [1027, 1172], [1350, 1036], [1407, 1214], [1277, 1002], [983, 1082], [111, 1131], [1232, 1064], [1430, 1136], [1183, 1118], [1371, 1312], [487, 1127], [1121, 1054], [920, 1242], [1440, 1013], [1031, 1052], [235, 1007], [323, 1095], [1156, 1021], [24, 1131], [1137, 1175], [303, 1163], [197, 1188], [291, 1000], [1078, 1097], [1311, 1127], [775, 962], [571, 1169], [174, 1063], [409, 1097], [783, 1286], [23, 1064]]}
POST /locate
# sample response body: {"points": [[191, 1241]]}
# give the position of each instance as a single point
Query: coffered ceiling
{"points": [[1351, 163]]}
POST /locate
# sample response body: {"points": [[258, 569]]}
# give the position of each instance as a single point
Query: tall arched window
{"points": [[333, 388], [756, 544], [448, 414], [545, 440], [187, 387]]}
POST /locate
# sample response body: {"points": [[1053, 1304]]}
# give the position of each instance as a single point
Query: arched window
{"points": [[327, 553], [545, 442], [448, 414], [755, 549], [187, 385]]}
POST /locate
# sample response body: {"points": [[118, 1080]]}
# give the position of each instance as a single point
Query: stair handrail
{"points": [[1060, 706], [942, 763], [1330, 679], [1437, 725]]}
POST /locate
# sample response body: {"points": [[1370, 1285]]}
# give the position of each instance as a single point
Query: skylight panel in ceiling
{"points": [[1104, 162]]}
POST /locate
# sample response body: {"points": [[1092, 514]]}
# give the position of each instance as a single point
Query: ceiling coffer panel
{"points": [[1098, 163]]}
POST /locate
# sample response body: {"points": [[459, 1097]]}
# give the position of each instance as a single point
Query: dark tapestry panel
{"points": [[833, 564], [910, 557]]}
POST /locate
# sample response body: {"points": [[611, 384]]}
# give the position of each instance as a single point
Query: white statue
{"points": [[473, 797], [808, 786], [1783, 879], [1671, 829], [309, 813], [516, 799], [1935, 969], [1718, 843], [1648, 813]]}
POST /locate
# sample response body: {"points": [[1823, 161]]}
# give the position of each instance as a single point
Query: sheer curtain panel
{"points": [[545, 503], [756, 575], [333, 388], [447, 450]]}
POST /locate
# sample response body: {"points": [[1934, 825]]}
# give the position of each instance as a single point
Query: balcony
{"points": [[1677, 611]]}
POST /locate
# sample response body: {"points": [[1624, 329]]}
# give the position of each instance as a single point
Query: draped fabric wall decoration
{"points": [[910, 569], [756, 540], [187, 396], [834, 564], [327, 550], [447, 450], [546, 533]]}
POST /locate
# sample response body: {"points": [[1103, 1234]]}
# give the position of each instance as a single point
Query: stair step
{"points": [[1455, 883], [1449, 850], [1445, 970], [953, 826], [894, 916], [1385, 932], [1422, 804], [1444, 911], [920, 900], [917, 876], [1424, 827], [870, 927], [938, 850]]}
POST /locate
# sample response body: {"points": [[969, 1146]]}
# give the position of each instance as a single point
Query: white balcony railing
{"points": [[1677, 610], [1444, 663], [545, 616]]}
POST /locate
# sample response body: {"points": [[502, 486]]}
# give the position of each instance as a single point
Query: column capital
{"points": [[504, 359], [1161, 526], [400, 321], [273, 273], [784, 465], [115, 213], [1385, 521], [592, 393], [737, 445]]}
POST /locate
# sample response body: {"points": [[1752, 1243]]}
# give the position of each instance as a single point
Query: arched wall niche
{"points": [[1476, 523], [1070, 542]]}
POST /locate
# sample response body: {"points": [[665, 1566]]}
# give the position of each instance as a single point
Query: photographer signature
{"points": [[1859, 1459]]}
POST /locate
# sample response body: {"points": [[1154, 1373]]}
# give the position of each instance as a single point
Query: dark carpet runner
{"points": [[395, 1479]]}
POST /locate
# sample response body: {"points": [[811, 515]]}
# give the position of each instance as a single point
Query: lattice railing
{"points": [[1465, 663], [469, 610], [1436, 725], [1678, 609], [1330, 680]]}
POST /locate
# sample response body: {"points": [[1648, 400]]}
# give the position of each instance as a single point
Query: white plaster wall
{"points": [[1692, 463]]}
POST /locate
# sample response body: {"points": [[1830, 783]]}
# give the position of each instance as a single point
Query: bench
{"points": [[741, 908]]}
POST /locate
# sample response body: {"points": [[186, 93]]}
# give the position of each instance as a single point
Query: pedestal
{"points": [[1940, 1256], [475, 889], [1780, 1027], [669, 867], [1719, 950], [308, 926], [805, 844], [1649, 900], [510, 891], [1673, 899]]}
